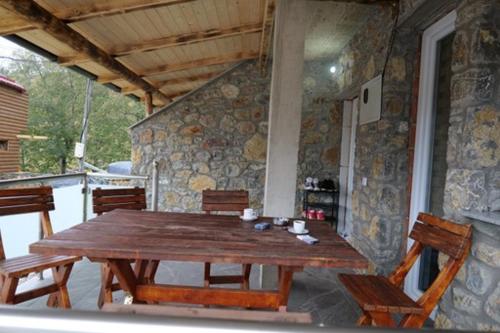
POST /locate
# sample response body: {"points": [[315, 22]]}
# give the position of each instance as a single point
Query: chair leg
{"points": [[106, 292], [9, 287], [413, 321], [206, 283], [364, 320], [382, 319], [61, 276], [53, 301], [246, 268]]}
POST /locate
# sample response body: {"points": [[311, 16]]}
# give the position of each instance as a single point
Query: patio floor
{"points": [[314, 290]]}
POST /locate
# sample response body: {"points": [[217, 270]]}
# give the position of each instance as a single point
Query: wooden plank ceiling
{"points": [[162, 48]]}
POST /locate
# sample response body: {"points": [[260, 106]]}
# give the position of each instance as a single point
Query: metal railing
{"points": [[83, 177], [15, 320], [67, 187]]}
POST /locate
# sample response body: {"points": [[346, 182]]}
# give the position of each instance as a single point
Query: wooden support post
{"points": [[148, 101]]}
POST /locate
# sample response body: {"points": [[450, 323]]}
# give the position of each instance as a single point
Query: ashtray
{"points": [[280, 221]]}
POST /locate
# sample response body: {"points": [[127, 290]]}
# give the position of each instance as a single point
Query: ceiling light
{"points": [[333, 69]]}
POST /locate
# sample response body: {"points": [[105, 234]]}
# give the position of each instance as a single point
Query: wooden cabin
{"points": [[13, 121]]}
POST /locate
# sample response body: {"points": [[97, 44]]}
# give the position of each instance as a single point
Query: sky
{"points": [[6, 49]]}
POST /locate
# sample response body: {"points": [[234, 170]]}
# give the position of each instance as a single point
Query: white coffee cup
{"points": [[249, 214], [299, 226]]}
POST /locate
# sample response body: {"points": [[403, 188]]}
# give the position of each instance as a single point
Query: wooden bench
{"points": [[107, 200], [204, 313], [380, 297], [226, 201], [23, 201]]}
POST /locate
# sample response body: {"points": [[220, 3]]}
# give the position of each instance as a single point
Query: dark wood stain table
{"points": [[148, 237]]}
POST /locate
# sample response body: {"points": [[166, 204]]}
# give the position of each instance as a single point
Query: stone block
{"points": [[474, 84], [246, 127], [485, 44], [465, 189], [479, 277], [442, 322], [255, 148], [330, 156], [492, 306], [461, 46], [146, 136], [201, 182], [191, 130], [230, 91], [466, 301], [201, 167], [488, 254], [483, 131]]}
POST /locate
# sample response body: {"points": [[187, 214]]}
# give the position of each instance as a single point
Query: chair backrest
{"points": [[27, 200], [450, 238], [106, 200], [224, 201]]}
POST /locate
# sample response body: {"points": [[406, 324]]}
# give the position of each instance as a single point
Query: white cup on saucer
{"points": [[299, 226], [249, 214]]}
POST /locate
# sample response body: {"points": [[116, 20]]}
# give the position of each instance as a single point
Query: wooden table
{"points": [[148, 237]]}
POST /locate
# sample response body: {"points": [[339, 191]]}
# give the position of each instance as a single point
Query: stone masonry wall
{"points": [[214, 138], [473, 179], [380, 209], [321, 129]]}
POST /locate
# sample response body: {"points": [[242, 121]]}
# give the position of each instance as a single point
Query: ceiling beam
{"points": [[82, 13], [183, 39], [112, 7], [366, 2], [205, 62], [189, 79], [170, 82], [72, 60], [44, 20], [12, 24], [267, 33], [199, 63]]}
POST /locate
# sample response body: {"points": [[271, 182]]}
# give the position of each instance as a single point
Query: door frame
{"points": [[350, 113], [422, 162]]}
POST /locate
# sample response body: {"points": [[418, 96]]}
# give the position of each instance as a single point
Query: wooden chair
{"points": [[106, 200], [226, 201], [32, 200], [380, 297]]}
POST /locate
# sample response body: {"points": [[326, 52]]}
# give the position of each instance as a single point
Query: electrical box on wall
{"points": [[370, 101]]}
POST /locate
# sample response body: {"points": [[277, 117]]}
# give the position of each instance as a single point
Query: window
{"points": [[4, 145]]}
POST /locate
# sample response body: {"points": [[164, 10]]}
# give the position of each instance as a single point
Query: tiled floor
{"points": [[315, 290]]}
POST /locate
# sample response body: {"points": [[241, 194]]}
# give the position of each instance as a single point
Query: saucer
{"points": [[305, 232], [248, 220]]}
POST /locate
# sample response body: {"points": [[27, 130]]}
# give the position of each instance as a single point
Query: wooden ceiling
{"points": [[156, 50]]}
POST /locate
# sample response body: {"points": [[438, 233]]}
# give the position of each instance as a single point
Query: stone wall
{"points": [[380, 208], [214, 138], [321, 128], [473, 177]]}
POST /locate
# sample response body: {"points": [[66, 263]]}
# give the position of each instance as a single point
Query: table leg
{"points": [[125, 275], [140, 268], [285, 278], [151, 271]]}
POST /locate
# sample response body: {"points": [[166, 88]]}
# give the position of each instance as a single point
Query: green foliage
{"points": [[56, 101]]}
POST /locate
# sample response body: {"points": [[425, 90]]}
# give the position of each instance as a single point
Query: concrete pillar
{"points": [[284, 115], [285, 108]]}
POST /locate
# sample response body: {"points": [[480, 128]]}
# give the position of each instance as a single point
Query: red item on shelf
{"points": [[320, 215], [311, 214]]}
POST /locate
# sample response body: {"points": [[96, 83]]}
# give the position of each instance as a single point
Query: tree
{"points": [[56, 100]]}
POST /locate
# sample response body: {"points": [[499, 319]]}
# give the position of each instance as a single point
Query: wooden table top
{"points": [[127, 234]]}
